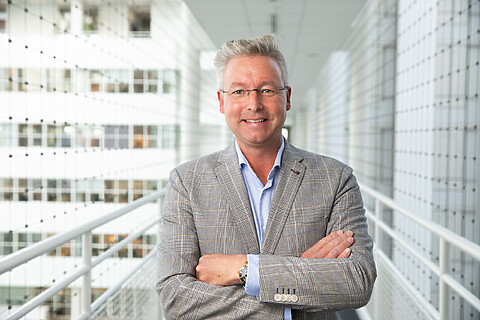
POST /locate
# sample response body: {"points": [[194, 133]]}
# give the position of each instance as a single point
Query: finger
{"points": [[345, 253], [323, 246], [324, 241], [340, 247]]}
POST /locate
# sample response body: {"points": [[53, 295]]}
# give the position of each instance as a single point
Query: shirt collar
{"points": [[243, 161]]}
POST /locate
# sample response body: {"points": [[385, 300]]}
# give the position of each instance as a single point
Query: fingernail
{"points": [[350, 239], [349, 233], [339, 232], [346, 250]]}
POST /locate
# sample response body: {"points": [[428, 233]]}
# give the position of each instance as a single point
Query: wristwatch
{"points": [[242, 273]]}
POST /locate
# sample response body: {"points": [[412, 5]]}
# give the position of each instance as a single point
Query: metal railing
{"points": [[446, 239], [22, 256]]}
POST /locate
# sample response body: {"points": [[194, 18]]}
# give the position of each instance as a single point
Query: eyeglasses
{"points": [[244, 93]]}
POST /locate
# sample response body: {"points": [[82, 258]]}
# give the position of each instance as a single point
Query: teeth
{"points": [[255, 121]]}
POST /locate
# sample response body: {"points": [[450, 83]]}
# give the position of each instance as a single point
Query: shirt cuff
{"points": [[252, 285]]}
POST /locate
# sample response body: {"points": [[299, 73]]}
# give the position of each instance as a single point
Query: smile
{"points": [[254, 121]]}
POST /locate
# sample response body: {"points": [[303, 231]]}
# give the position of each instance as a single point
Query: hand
{"points": [[220, 269], [335, 245]]}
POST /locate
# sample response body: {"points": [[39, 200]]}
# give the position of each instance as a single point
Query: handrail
{"points": [[465, 245], [22, 256], [114, 289], [446, 238], [26, 254]]}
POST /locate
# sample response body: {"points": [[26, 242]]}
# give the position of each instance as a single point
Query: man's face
{"points": [[256, 121]]}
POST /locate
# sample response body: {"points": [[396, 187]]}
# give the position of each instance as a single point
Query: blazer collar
{"points": [[235, 192], [289, 180]]}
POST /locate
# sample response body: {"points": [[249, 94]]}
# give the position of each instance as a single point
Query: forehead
{"points": [[252, 68]]}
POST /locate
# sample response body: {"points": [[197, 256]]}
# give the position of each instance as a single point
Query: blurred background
{"points": [[100, 99]]}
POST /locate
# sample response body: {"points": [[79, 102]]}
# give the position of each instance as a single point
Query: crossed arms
{"points": [[199, 261], [222, 270]]}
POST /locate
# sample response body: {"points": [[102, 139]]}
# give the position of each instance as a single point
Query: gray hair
{"points": [[262, 46]]}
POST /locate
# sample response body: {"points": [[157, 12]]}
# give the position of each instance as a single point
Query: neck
{"points": [[261, 159]]}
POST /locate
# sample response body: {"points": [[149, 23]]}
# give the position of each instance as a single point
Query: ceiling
{"points": [[307, 30]]}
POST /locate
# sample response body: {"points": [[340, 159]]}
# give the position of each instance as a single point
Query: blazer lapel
{"points": [[235, 193], [289, 178]]}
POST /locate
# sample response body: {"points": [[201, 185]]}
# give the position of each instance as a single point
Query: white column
{"points": [[76, 13], [190, 135], [75, 303]]}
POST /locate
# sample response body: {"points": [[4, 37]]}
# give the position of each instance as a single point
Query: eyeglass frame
{"points": [[230, 93]]}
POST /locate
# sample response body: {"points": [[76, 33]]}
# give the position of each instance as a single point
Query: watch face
{"points": [[242, 274]]}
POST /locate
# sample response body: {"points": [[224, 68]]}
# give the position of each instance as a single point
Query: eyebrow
{"points": [[242, 84]]}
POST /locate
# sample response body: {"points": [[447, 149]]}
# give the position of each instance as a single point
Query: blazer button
{"points": [[284, 297], [277, 297], [294, 298], [289, 297]]}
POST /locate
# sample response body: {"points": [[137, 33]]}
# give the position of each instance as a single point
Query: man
{"points": [[244, 230]]}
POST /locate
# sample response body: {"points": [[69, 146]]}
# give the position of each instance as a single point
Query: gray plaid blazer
{"points": [[207, 210]]}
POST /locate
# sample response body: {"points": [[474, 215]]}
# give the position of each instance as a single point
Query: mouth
{"points": [[255, 121]]}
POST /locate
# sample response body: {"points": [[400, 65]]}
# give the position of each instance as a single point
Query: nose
{"points": [[254, 102]]}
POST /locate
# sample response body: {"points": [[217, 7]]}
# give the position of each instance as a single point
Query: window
{"points": [[6, 238], [145, 81], [29, 135], [110, 193], [22, 240], [117, 81], [139, 21], [116, 191], [5, 84], [95, 80], [91, 20], [5, 134], [22, 190], [63, 19], [81, 189], [51, 135], [95, 190], [169, 81], [96, 134], [168, 137], [37, 134], [3, 18], [151, 137], [51, 190], [23, 135], [137, 189], [67, 131], [137, 248], [116, 137], [123, 191], [66, 186], [7, 189], [36, 189], [138, 136]]}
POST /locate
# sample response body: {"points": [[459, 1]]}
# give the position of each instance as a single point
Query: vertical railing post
{"points": [[378, 244], [87, 278], [443, 296], [160, 208], [378, 215]]}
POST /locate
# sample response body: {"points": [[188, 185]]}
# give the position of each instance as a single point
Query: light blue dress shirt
{"points": [[260, 197]]}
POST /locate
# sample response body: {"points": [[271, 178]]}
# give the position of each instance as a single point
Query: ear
{"points": [[220, 100], [289, 94]]}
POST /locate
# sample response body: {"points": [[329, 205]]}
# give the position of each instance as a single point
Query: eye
{"points": [[238, 92], [267, 92]]}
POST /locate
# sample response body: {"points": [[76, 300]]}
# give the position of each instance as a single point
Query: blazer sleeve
{"points": [[327, 284], [182, 296]]}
